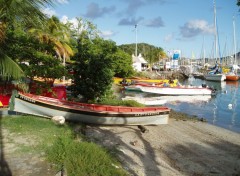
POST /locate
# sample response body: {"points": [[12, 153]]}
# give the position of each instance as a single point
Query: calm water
{"points": [[222, 109]]}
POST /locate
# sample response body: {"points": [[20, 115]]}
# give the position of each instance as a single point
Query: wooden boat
{"points": [[89, 113], [137, 86], [232, 77], [148, 101], [4, 100], [179, 90], [129, 81]]}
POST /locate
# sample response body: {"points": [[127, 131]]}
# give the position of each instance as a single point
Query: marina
{"points": [[221, 109]]}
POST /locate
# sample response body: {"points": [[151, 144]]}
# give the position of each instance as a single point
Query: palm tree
{"points": [[57, 34], [162, 55], [17, 11]]}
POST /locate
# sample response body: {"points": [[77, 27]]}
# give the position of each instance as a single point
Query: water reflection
{"points": [[214, 108]]}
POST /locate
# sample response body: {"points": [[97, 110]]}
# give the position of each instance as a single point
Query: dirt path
{"points": [[17, 161], [179, 148]]}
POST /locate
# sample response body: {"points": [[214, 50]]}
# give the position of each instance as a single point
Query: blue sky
{"points": [[170, 24]]}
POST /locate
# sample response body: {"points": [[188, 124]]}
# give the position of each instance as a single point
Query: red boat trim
{"points": [[93, 109]]}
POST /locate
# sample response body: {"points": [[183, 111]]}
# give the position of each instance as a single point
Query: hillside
{"points": [[150, 53]]}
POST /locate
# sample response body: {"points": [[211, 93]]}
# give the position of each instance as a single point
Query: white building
{"points": [[139, 63]]}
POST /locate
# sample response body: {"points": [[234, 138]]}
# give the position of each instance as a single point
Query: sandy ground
{"points": [[178, 148], [23, 163]]}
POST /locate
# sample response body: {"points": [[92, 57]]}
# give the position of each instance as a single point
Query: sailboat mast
{"points": [[234, 40], [136, 40], [203, 50], [215, 30]]}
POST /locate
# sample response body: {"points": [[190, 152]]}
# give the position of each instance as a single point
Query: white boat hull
{"points": [[215, 77], [86, 114], [148, 101], [177, 91]]}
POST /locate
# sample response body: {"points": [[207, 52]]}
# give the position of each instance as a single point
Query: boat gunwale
{"points": [[87, 107], [202, 88]]}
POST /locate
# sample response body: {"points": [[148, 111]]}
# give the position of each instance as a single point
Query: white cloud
{"points": [[94, 11], [107, 34], [65, 19], [156, 22], [49, 12], [195, 27], [169, 37], [63, 1]]}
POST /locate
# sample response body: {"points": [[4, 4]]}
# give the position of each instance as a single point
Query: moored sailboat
{"points": [[232, 75], [216, 74]]}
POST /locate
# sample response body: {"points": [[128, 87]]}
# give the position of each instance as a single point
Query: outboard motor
{"points": [[214, 91], [204, 85]]}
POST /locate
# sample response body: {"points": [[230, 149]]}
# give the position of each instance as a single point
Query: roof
{"points": [[139, 59]]}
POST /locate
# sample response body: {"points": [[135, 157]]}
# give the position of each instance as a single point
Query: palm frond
{"points": [[9, 68]]}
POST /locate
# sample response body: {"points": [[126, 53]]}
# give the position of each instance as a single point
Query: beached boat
{"points": [[177, 91], [89, 113], [148, 101], [4, 100]]}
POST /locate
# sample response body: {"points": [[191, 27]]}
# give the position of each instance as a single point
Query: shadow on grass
{"points": [[4, 170]]}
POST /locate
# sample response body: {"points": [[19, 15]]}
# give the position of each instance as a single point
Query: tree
{"points": [[17, 11], [151, 53], [34, 57], [53, 32], [162, 54], [93, 72], [122, 64]]}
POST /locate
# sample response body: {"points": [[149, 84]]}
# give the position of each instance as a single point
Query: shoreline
{"points": [[182, 147]]}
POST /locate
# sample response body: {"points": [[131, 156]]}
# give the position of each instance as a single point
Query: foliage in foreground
{"points": [[82, 158], [77, 157]]}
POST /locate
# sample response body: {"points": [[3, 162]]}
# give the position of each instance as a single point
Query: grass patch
{"points": [[61, 146], [116, 102], [83, 158]]}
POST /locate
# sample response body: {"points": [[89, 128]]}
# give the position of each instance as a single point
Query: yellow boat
{"points": [[118, 80]]}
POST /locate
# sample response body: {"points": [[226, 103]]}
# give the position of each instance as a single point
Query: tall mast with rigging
{"points": [[215, 31], [234, 41], [136, 40]]}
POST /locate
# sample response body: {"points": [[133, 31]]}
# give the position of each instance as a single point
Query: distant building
{"points": [[139, 63]]}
